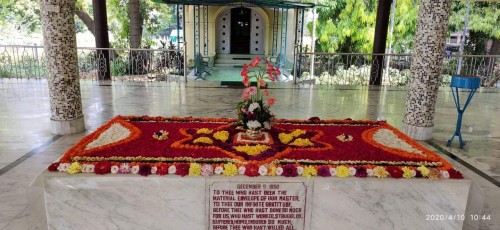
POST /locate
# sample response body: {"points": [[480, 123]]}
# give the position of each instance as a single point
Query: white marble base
{"points": [[172, 202], [67, 127], [416, 132]]}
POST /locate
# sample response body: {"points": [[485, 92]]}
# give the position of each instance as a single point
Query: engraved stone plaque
{"points": [[256, 205]]}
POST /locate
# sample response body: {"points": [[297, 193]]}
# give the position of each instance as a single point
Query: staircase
{"points": [[234, 60]]}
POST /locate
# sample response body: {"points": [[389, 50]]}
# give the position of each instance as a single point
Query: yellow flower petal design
{"points": [[221, 135], [204, 131], [302, 142], [205, 140], [252, 150]]}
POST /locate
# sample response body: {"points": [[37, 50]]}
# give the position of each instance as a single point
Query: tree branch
{"points": [[86, 19]]}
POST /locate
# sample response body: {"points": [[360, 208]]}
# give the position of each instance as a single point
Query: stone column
{"points": [[101, 39], [427, 60], [59, 37], [379, 41]]}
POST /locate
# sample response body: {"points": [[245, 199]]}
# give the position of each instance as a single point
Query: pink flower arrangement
{"points": [[253, 112]]}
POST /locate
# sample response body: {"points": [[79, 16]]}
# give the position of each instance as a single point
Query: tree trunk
{"points": [[495, 47], [136, 21], [89, 23], [494, 70], [86, 19]]}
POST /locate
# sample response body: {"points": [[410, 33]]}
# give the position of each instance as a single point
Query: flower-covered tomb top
{"points": [[206, 146]]}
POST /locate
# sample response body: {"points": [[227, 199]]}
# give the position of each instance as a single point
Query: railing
{"points": [[124, 65], [356, 68], [168, 64]]}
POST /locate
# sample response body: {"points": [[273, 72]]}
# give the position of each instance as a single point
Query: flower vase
{"points": [[254, 133]]}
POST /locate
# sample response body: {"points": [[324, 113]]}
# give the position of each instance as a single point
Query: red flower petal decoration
{"points": [[289, 170], [102, 167], [394, 171], [324, 171], [162, 169], [144, 169], [455, 174], [361, 172], [53, 167], [182, 169], [252, 170]]}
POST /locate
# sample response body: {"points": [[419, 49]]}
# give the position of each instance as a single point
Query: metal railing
{"points": [[22, 62], [356, 68], [168, 64], [124, 64]]}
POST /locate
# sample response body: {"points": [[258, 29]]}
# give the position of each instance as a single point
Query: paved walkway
{"points": [[27, 147]]}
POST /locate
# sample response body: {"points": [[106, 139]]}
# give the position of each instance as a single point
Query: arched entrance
{"points": [[240, 31]]}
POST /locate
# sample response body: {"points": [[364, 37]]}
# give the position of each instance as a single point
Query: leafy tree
{"points": [[134, 22], [345, 26], [83, 9], [349, 25], [405, 23], [484, 24], [22, 15]]}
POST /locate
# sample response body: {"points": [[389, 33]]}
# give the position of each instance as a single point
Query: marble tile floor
{"points": [[27, 147]]}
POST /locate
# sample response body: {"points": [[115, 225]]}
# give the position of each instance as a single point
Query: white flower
{"points": [[263, 170], [63, 167], [90, 168], [207, 170], [267, 125], [253, 124], [135, 169], [241, 170], [86, 168], [352, 171], [154, 169], [253, 106], [300, 170], [414, 173], [333, 171], [279, 171], [219, 170], [115, 169], [172, 169], [124, 168], [445, 174], [369, 172]]}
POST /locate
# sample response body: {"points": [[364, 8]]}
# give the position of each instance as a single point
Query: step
{"points": [[246, 57], [230, 61], [228, 65]]}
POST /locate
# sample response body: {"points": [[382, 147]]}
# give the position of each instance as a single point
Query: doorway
{"points": [[240, 30]]}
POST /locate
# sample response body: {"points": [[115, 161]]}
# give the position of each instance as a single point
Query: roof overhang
{"points": [[245, 3]]}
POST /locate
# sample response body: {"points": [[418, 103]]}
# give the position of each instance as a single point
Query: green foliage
{"points": [[119, 66], [156, 18], [483, 17], [360, 75], [21, 15], [405, 23], [349, 25], [22, 67], [483, 23]]}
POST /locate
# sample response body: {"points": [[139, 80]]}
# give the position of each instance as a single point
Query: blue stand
{"points": [[463, 82]]}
